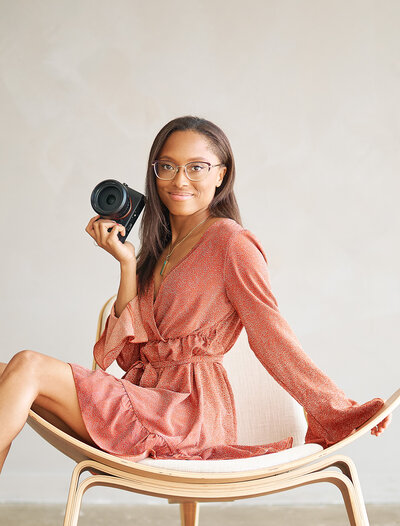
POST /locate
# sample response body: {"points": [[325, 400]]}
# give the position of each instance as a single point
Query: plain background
{"points": [[307, 93]]}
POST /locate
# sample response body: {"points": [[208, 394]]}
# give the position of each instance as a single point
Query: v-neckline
{"points": [[151, 291]]}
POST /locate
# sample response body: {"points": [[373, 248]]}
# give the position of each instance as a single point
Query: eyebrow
{"points": [[189, 160]]}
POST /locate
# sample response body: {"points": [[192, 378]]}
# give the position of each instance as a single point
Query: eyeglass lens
{"points": [[167, 170]]}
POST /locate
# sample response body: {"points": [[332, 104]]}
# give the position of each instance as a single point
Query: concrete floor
{"points": [[210, 515]]}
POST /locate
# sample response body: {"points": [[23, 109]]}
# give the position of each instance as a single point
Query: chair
{"points": [[275, 415]]}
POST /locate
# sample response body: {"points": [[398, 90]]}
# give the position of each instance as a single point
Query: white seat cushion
{"points": [[237, 464]]}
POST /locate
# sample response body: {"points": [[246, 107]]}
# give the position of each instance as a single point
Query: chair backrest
{"points": [[265, 411]]}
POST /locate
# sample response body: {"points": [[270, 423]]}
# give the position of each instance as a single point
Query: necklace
{"points": [[170, 251]]}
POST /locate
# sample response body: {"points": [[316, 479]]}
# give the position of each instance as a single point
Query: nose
{"points": [[180, 177]]}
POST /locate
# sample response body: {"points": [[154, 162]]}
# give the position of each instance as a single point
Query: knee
{"points": [[27, 360]]}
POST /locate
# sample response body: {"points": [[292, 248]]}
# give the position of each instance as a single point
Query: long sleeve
{"points": [[121, 337], [331, 415]]}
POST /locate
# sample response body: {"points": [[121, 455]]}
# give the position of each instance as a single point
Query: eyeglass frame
{"points": [[184, 166]]}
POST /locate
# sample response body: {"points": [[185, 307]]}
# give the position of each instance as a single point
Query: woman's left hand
{"points": [[379, 428]]}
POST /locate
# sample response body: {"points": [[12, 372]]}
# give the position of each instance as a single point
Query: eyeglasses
{"points": [[195, 171]]}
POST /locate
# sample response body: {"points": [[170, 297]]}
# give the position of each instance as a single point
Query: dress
{"points": [[175, 399]]}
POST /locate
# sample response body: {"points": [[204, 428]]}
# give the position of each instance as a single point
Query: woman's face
{"points": [[180, 148]]}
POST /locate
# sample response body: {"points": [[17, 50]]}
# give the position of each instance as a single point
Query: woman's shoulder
{"points": [[225, 226], [227, 229], [237, 239]]}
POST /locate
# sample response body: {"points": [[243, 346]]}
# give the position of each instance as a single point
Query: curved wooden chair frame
{"points": [[190, 488]]}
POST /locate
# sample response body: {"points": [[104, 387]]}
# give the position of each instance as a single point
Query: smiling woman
{"points": [[196, 188], [187, 189], [189, 184], [199, 278]]}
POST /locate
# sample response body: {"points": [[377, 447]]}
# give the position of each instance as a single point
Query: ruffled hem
{"points": [[110, 419], [112, 424], [343, 423]]}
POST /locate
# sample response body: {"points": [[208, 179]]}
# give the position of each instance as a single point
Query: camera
{"points": [[114, 200]]}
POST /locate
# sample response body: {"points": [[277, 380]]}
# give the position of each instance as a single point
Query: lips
{"points": [[179, 196]]}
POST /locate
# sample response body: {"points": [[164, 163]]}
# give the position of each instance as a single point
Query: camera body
{"points": [[114, 200]]}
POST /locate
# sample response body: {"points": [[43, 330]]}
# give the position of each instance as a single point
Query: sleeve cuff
{"points": [[119, 333]]}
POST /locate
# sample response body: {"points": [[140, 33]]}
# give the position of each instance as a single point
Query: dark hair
{"points": [[155, 228]]}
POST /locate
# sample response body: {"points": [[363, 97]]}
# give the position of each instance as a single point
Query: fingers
{"points": [[108, 238], [105, 233], [97, 228], [117, 229], [111, 238], [379, 428], [90, 226]]}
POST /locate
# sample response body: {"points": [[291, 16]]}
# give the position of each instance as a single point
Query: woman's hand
{"points": [[379, 428], [98, 229]]}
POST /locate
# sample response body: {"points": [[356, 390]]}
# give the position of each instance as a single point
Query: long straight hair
{"points": [[155, 228]]}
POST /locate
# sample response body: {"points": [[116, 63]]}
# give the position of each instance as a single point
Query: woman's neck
{"points": [[182, 225]]}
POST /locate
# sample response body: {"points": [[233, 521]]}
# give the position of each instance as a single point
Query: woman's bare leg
{"points": [[31, 377], [4, 453], [3, 456]]}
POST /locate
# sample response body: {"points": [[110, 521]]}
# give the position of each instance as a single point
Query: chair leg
{"points": [[73, 506], [340, 480], [95, 480], [351, 491], [189, 513], [351, 499], [73, 488], [348, 468]]}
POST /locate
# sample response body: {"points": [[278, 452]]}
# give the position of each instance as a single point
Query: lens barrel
{"points": [[110, 199]]}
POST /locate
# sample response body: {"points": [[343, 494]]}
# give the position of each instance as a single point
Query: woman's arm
{"points": [[331, 415], [124, 329], [127, 287], [123, 252]]}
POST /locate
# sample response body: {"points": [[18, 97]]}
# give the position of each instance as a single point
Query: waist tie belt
{"points": [[199, 358]]}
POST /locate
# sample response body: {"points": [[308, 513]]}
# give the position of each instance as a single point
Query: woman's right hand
{"points": [[109, 241]]}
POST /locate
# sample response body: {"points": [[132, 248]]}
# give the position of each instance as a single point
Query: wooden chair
{"points": [[265, 413]]}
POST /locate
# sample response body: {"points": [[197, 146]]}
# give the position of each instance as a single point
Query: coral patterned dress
{"points": [[175, 399]]}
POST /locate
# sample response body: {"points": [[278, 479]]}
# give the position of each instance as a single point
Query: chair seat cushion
{"points": [[232, 465]]}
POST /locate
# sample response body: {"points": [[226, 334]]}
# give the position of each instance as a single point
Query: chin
{"points": [[181, 212]]}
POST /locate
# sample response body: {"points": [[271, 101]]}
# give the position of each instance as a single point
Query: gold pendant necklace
{"points": [[170, 251]]}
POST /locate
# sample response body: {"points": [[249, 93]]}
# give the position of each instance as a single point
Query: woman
{"points": [[198, 279]]}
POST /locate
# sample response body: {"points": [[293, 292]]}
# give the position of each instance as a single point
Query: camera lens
{"points": [[110, 199]]}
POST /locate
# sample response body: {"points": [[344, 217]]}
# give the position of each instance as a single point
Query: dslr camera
{"points": [[114, 200]]}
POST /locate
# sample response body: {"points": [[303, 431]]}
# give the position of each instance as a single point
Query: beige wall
{"points": [[306, 92]]}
